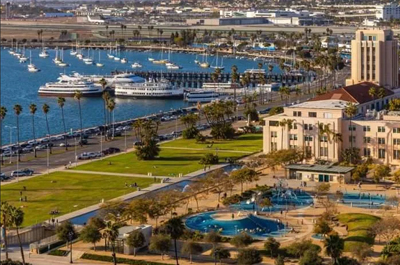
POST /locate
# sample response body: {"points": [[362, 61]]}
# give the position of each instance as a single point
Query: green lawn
{"points": [[66, 192], [169, 163], [245, 142], [358, 228]]}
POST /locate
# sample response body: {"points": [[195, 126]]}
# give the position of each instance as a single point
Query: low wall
{"points": [[29, 235]]}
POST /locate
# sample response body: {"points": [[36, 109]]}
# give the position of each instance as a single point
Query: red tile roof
{"points": [[357, 93]]}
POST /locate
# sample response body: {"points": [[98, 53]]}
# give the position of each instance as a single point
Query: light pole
{"points": [[70, 237], [113, 121], [48, 157], [11, 128], [74, 148], [125, 141]]}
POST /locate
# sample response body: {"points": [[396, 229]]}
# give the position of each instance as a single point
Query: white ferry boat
{"points": [[67, 88], [111, 80], [201, 95], [149, 89]]}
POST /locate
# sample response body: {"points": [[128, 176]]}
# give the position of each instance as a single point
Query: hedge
{"points": [[54, 245], [58, 252], [119, 260]]}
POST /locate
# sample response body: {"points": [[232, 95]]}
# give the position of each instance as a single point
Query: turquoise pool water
{"points": [[364, 200], [289, 199], [251, 224]]}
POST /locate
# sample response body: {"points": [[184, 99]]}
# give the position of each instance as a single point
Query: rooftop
{"points": [[358, 93], [322, 104], [320, 168]]}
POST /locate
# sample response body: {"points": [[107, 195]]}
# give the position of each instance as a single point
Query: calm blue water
{"points": [[18, 86], [251, 224]]}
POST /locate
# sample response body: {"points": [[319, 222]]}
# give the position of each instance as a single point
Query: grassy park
{"points": [[66, 192], [179, 156], [358, 228]]}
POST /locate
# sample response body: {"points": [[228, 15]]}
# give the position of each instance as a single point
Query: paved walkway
{"points": [[208, 149], [115, 174]]}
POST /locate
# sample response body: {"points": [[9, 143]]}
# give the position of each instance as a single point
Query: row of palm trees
{"points": [[109, 104]]}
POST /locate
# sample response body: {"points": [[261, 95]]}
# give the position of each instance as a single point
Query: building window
{"points": [[381, 153], [324, 139], [396, 141], [327, 115], [297, 113], [381, 140], [308, 127], [308, 138], [274, 123], [295, 126], [292, 136], [323, 151], [292, 146], [308, 152], [396, 154], [352, 139], [381, 128], [274, 146], [274, 134], [367, 140], [352, 128], [312, 114], [396, 130], [366, 128], [367, 151]]}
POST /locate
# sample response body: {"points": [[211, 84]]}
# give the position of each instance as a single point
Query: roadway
{"points": [[60, 158]]}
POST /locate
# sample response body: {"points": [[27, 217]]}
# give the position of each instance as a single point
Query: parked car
{"points": [[63, 145], [3, 176], [84, 156], [137, 143], [83, 141], [22, 173]]}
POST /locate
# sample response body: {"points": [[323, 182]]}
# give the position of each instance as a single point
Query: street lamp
{"points": [[48, 155], [70, 237]]}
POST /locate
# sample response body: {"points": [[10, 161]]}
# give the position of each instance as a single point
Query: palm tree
{"points": [[111, 233], [3, 113], [6, 221], [78, 96], [175, 228], [46, 109], [17, 218], [32, 110], [284, 92], [106, 97], [351, 111], [372, 92], [111, 107], [234, 78], [61, 103], [334, 247], [17, 111]]}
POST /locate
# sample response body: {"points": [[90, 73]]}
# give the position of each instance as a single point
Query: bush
{"points": [[248, 256], [54, 245], [222, 131], [58, 252], [232, 199], [190, 133], [241, 240], [310, 257], [200, 138], [119, 260], [209, 159], [13, 262]]}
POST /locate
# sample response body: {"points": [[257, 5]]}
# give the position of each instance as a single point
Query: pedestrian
{"points": [[281, 212], [20, 193], [233, 216], [126, 185], [135, 184], [154, 178], [26, 199], [218, 206], [301, 221], [24, 188]]}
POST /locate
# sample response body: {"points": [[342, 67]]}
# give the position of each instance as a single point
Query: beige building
{"points": [[374, 58], [374, 131]]}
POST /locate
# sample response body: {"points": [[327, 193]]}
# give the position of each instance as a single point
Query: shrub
{"points": [[248, 256], [58, 252], [119, 260], [190, 133], [241, 240], [232, 199]]}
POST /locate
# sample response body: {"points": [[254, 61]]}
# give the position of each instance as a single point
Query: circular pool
{"points": [[251, 224]]}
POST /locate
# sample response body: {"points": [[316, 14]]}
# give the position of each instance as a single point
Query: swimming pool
{"points": [[251, 224], [281, 200], [363, 200]]}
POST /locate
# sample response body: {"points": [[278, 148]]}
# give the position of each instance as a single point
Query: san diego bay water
{"points": [[18, 86]]}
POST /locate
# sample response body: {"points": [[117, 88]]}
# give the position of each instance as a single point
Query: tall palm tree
{"points": [[334, 247], [111, 233], [32, 110], [61, 103], [106, 97], [350, 111], [111, 107], [235, 79], [3, 113], [175, 228], [5, 222], [46, 109], [17, 218], [78, 96], [17, 111]]}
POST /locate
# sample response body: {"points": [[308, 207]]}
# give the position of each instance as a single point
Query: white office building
{"points": [[387, 12]]}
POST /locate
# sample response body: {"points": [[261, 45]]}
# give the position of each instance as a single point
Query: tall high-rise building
{"points": [[374, 58]]}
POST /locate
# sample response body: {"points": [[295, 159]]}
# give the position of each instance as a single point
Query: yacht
{"points": [[150, 59], [124, 60], [111, 80], [68, 88], [44, 54], [136, 65], [172, 66], [99, 64], [201, 95], [149, 89], [162, 61], [204, 65], [88, 61], [219, 66], [31, 67]]}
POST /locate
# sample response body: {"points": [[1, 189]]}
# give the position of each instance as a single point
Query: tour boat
{"points": [[200, 95], [68, 88], [149, 89]]}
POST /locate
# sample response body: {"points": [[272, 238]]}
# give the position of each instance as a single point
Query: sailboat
{"points": [[31, 67], [110, 55], [170, 65], [161, 61], [23, 58], [62, 63], [57, 60], [43, 53], [205, 63], [11, 51], [116, 58], [216, 66], [150, 59], [99, 64], [196, 61]]}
